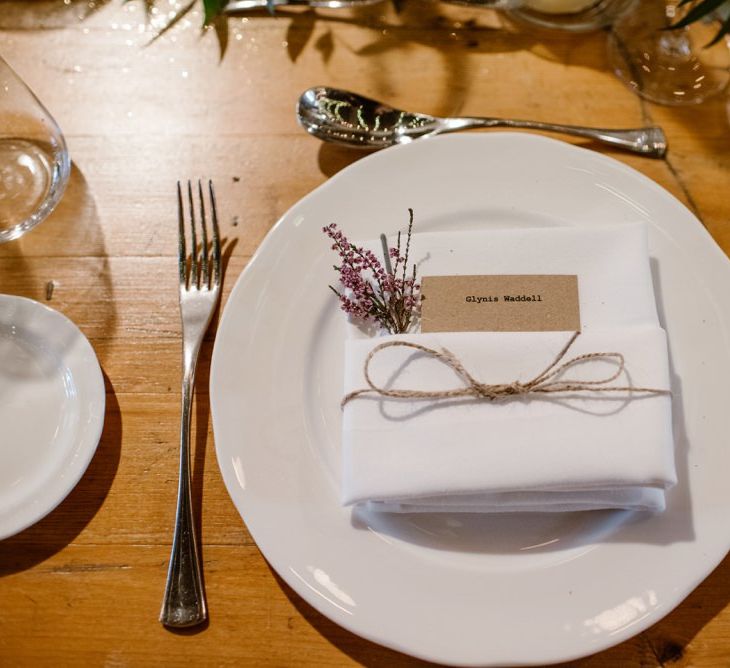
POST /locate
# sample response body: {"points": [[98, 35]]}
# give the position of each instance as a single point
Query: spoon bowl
{"points": [[346, 118]]}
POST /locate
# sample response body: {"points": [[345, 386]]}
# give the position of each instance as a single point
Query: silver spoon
{"points": [[353, 120], [235, 6]]}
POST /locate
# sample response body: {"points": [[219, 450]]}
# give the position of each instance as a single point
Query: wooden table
{"points": [[83, 586]]}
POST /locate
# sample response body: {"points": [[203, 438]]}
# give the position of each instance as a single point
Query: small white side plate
{"points": [[51, 410]]}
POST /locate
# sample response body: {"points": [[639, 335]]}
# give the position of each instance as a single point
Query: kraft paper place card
{"points": [[500, 303]]}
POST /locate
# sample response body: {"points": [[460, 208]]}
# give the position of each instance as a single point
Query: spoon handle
{"points": [[248, 5], [648, 141], [235, 6]]}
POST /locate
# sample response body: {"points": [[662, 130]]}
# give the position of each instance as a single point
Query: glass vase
{"points": [[34, 161], [667, 65]]}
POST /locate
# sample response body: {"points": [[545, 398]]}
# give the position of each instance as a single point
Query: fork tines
{"points": [[205, 261]]}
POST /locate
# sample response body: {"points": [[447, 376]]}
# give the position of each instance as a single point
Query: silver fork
{"points": [[184, 600]]}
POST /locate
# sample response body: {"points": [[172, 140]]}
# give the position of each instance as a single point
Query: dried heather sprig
{"points": [[371, 293]]}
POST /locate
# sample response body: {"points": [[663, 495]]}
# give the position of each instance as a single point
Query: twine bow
{"points": [[545, 382]]}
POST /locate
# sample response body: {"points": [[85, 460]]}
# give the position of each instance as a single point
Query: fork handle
{"points": [[184, 600]]}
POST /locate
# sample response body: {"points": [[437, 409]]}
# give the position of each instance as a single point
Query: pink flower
{"points": [[371, 293]]}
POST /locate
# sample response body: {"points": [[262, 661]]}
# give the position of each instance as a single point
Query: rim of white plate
{"points": [[697, 235], [78, 358]]}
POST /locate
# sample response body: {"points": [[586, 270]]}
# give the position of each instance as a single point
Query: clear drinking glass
{"points": [[668, 66], [34, 162]]}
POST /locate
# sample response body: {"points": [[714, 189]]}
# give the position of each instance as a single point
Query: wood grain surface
{"points": [[84, 585]]}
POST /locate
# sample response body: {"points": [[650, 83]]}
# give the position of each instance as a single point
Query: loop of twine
{"points": [[543, 383]]}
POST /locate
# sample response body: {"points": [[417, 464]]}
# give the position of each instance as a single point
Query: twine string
{"points": [[546, 382]]}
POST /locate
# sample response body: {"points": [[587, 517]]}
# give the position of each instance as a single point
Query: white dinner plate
{"points": [[51, 410], [467, 589]]}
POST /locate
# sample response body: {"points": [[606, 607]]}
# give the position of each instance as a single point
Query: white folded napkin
{"points": [[546, 453]]}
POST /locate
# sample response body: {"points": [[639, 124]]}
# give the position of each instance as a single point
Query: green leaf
{"points": [[212, 9], [220, 25], [697, 12]]}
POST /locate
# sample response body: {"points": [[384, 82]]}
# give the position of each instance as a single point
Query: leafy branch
{"points": [[700, 10]]}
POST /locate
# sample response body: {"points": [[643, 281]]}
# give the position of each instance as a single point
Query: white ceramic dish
{"points": [[458, 589], [51, 410]]}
